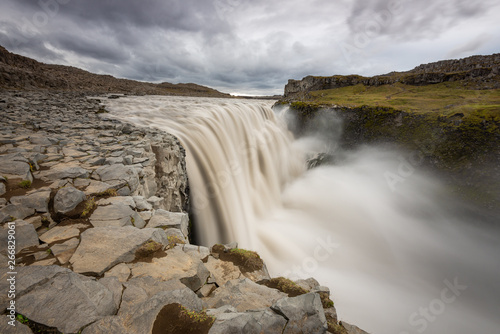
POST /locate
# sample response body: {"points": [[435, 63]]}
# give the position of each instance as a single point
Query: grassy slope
{"points": [[445, 98]]}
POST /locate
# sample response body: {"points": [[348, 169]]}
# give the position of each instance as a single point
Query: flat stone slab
{"points": [[103, 247], [120, 271], [250, 322], [64, 172], [25, 236], [112, 215], [59, 233], [176, 265], [38, 201], [222, 271], [243, 294], [67, 301], [64, 251], [15, 211]]}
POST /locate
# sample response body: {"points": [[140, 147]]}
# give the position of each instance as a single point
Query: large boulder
{"points": [[304, 314], [67, 199], [103, 247], [244, 295]]}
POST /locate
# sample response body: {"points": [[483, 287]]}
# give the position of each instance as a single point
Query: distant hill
{"points": [[23, 73], [476, 72]]}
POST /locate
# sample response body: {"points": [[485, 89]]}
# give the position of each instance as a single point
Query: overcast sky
{"points": [[247, 46]]}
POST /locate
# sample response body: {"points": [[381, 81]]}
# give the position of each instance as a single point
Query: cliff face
{"points": [[477, 72], [22, 73]]}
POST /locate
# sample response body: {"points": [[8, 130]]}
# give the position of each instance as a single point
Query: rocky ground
{"points": [[98, 212]]}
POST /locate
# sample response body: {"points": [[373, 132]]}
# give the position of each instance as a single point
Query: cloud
{"points": [[238, 45]]}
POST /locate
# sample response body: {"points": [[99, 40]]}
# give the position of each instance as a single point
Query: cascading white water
{"points": [[387, 256]]}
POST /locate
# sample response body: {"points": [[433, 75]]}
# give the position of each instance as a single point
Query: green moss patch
{"points": [[247, 261], [284, 285], [175, 318]]}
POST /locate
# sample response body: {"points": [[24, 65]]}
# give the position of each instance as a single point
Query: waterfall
{"points": [[387, 255]]}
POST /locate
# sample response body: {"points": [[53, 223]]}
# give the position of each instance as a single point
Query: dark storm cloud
{"points": [[241, 45]]}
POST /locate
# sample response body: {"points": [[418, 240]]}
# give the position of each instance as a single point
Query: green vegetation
{"points": [[89, 207], [22, 319], [107, 193], [247, 261], [285, 285], [447, 98], [175, 318], [174, 240], [26, 184], [148, 249]]}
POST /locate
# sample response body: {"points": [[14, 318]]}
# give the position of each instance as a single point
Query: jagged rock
{"points": [[67, 199], [38, 201], [3, 189], [64, 251], [304, 314], [103, 247], [120, 271], [351, 329], [59, 233], [15, 211], [178, 220], [112, 215], [244, 295], [250, 322], [67, 301], [222, 271], [26, 236], [176, 265], [142, 204], [206, 290], [171, 176]]}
